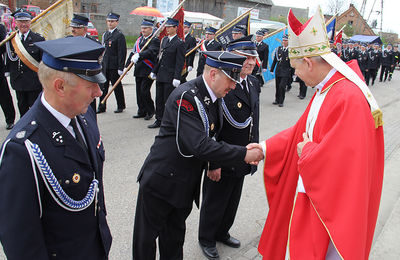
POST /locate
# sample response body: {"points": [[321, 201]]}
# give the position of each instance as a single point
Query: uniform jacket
{"points": [[282, 63], [387, 58], [362, 59], [3, 34], [212, 46], [190, 43], [115, 50], [22, 78], [396, 55], [147, 57], [263, 52], [171, 60], [59, 233], [374, 59], [166, 173], [241, 107]]}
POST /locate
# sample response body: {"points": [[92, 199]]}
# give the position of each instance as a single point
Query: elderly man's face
{"points": [[78, 97], [146, 30], [78, 31], [301, 69], [209, 36], [237, 35], [23, 26], [248, 64]]}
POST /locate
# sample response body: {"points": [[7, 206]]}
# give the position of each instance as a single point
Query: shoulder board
{"points": [[20, 133]]}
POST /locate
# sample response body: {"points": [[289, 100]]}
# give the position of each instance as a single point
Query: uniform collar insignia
{"points": [[207, 100], [58, 137]]}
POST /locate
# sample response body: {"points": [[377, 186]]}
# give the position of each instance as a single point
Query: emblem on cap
{"points": [[76, 178]]}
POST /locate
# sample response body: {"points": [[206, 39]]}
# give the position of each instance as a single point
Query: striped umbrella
{"points": [[147, 11]]}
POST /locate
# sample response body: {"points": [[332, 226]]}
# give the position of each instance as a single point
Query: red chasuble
{"points": [[342, 173]]}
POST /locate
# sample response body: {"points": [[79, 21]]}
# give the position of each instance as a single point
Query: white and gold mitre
{"points": [[309, 39]]}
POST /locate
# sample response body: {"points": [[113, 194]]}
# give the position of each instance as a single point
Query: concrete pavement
{"points": [[127, 142]]}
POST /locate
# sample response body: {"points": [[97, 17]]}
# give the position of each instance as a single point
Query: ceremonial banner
{"points": [[273, 41], [55, 23], [180, 16], [330, 28], [225, 36]]}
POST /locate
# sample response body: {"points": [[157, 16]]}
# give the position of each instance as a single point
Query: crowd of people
{"points": [[323, 204]]}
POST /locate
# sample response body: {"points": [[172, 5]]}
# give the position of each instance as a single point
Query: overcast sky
{"points": [[391, 10]]}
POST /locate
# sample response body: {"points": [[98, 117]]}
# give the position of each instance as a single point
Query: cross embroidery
{"points": [[314, 31]]}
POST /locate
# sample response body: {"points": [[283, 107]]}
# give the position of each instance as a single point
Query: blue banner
{"points": [[225, 36], [330, 29], [273, 42]]}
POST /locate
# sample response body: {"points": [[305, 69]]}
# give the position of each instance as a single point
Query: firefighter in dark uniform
{"points": [[210, 44], [168, 70], [239, 31], [171, 174], [263, 52], [79, 25], [190, 43], [23, 80], [387, 62], [144, 63], [352, 52], [283, 71], [374, 61], [396, 55], [345, 51], [51, 165], [6, 101], [222, 187], [113, 62], [362, 59]]}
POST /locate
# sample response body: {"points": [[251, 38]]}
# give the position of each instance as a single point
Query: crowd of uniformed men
{"points": [[205, 124]]}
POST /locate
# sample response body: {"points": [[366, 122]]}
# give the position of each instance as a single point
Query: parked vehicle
{"points": [[92, 31], [32, 9]]}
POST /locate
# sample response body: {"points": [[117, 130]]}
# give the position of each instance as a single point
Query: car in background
{"points": [[32, 9], [92, 31]]}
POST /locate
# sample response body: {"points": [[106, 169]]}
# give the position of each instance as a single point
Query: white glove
{"points": [[135, 58], [120, 72], [176, 83], [264, 70], [190, 68], [152, 76], [6, 74]]}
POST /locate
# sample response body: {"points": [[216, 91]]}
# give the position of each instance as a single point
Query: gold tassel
{"points": [[377, 115]]}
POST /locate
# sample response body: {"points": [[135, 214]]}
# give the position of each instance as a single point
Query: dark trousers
{"points": [[6, 101], [302, 89], [163, 90], [112, 76], [384, 71], [280, 88], [364, 73], [218, 209], [143, 96], [371, 74], [391, 71], [26, 99], [157, 218]]}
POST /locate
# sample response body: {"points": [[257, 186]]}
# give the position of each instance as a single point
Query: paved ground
{"points": [[127, 142]]}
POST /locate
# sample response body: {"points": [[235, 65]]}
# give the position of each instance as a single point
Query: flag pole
{"points": [[33, 20], [146, 44]]}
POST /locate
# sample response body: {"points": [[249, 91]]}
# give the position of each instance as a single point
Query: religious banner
{"points": [[273, 41], [224, 35]]}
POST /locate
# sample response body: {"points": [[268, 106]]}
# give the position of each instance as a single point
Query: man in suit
{"points": [[208, 45], [79, 24], [283, 71], [387, 62], [23, 80], [262, 62], [374, 61], [222, 187], [113, 62], [51, 168], [144, 63], [171, 174], [190, 43], [6, 101], [168, 70]]}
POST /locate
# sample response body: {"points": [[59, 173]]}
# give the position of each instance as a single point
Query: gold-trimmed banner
{"points": [[24, 56]]}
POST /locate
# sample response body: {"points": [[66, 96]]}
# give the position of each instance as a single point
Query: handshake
{"points": [[254, 153]]}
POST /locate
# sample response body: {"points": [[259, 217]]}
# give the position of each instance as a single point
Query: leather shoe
{"points": [[148, 116], [280, 105], [210, 252], [9, 126], [301, 97], [156, 124], [274, 103], [231, 242], [119, 110], [138, 116]]}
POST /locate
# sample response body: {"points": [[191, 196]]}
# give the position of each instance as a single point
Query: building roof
{"points": [[353, 12], [264, 2]]}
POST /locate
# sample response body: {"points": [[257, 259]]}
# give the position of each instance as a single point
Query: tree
{"points": [[335, 6]]}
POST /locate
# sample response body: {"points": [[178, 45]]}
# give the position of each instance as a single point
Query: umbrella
{"points": [[147, 11]]}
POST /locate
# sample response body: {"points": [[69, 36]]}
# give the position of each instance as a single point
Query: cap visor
{"points": [[235, 77], [248, 52], [98, 78]]}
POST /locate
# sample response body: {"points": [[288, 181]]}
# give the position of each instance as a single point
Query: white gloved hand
{"points": [[152, 76], [264, 70], [190, 68], [176, 83], [6, 74], [120, 72], [135, 58]]}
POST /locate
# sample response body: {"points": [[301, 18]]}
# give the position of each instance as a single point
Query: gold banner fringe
{"points": [[377, 115]]}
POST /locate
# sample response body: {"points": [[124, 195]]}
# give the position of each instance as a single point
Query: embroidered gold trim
{"points": [[290, 225], [331, 85]]}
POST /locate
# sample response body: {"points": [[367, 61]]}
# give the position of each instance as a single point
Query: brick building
{"points": [[353, 18]]}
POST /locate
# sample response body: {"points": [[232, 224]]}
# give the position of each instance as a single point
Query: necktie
{"points": [[23, 38], [78, 135], [246, 91]]}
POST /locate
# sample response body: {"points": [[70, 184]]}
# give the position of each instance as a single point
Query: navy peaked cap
{"points": [[79, 21], [229, 63]]}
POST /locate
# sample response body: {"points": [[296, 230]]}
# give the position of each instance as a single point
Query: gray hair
{"points": [[46, 74]]}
